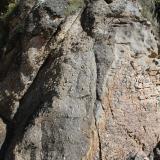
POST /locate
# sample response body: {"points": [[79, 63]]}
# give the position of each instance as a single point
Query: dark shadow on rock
{"points": [[156, 152]]}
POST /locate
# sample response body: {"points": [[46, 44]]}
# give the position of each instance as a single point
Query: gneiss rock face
{"points": [[80, 81]]}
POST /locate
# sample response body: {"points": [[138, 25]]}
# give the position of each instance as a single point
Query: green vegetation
{"points": [[73, 6], [11, 8], [3, 6], [7, 8]]}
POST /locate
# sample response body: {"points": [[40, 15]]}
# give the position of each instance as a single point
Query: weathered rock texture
{"points": [[79, 83]]}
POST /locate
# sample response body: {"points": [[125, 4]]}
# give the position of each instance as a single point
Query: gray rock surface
{"points": [[80, 85], [2, 132]]}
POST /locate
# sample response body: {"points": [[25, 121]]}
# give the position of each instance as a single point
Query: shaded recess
{"points": [[109, 1]]}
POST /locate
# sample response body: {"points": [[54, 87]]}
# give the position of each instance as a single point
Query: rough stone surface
{"points": [[2, 132], [80, 86]]}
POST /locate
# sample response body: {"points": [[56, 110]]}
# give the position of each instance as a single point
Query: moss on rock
{"points": [[73, 6], [7, 8]]}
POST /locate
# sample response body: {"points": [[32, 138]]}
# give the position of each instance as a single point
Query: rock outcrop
{"points": [[80, 80]]}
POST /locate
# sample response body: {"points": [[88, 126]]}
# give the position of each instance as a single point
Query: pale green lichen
{"points": [[73, 6]]}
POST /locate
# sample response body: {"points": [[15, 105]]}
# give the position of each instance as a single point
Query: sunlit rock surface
{"points": [[80, 83]]}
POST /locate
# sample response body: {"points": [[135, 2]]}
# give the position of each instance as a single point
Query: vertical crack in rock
{"points": [[112, 22], [87, 22], [99, 139], [96, 108], [98, 104], [110, 107]]}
